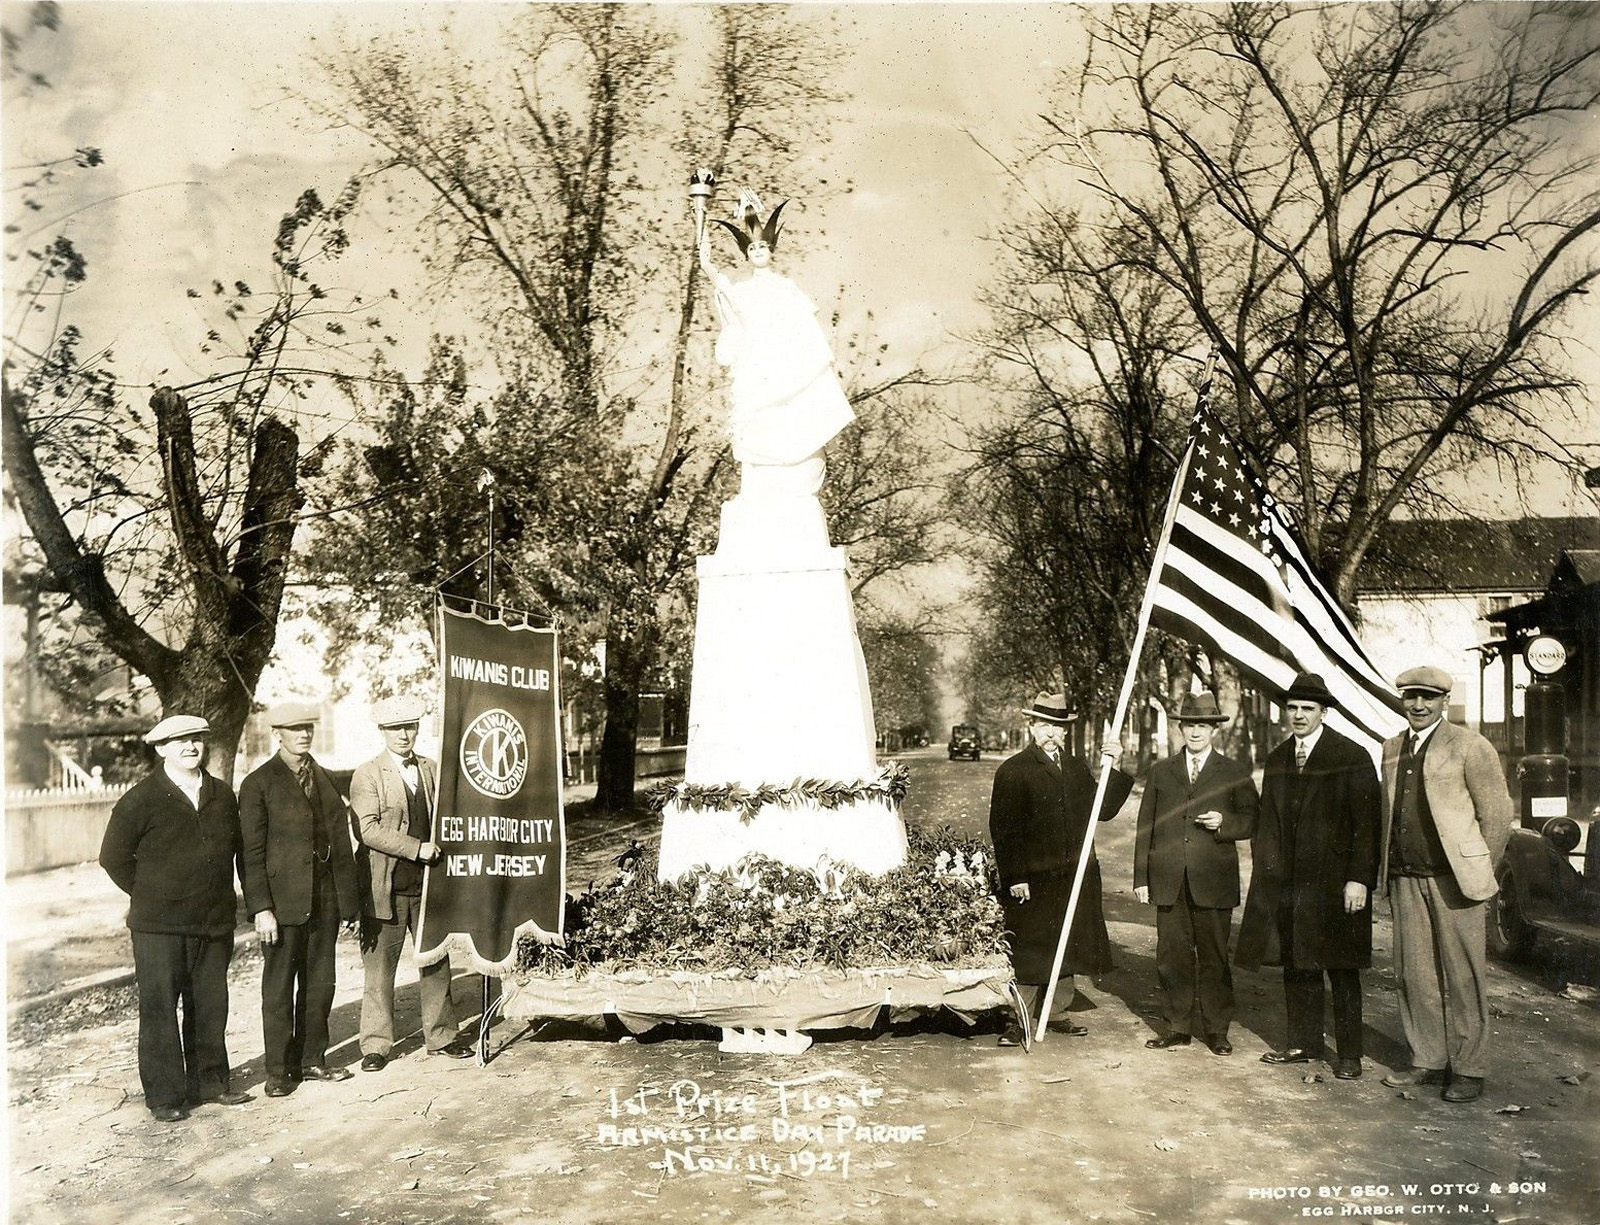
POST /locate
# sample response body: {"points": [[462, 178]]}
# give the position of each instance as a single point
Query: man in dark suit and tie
{"points": [[391, 803], [1039, 816], [300, 884], [1446, 821], [1196, 805], [1315, 863]]}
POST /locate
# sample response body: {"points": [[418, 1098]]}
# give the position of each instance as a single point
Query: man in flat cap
{"points": [[391, 802], [300, 884], [1315, 862], [172, 845], [1039, 816], [1196, 805], [1446, 819]]}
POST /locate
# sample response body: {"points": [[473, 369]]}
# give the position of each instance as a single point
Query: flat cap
{"points": [[174, 726], [395, 712], [1435, 680], [293, 714]]}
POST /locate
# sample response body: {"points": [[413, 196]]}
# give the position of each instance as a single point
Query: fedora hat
{"points": [[1309, 687], [1051, 708], [1201, 708]]}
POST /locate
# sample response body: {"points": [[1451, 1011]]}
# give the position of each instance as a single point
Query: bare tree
{"points": [[1380, 215]]}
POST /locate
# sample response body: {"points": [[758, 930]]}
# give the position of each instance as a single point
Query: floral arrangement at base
{"points": [[762, 914], [888, 787]]}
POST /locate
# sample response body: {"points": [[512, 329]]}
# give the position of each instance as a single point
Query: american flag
{"points": [[1235, 579]]}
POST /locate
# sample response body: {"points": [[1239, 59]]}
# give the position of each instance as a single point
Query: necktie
{"points": [[1194, 768], [1416, 743], [1299, 754], [303, 777]]}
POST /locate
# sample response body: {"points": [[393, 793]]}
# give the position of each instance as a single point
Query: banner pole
{"points": [[1108, 761], [489, 999]]}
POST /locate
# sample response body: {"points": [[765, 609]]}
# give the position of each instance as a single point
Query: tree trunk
{"points": [[626, 659]]}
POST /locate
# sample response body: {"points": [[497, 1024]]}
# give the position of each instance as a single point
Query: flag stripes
{"points": [[1235, 579]]}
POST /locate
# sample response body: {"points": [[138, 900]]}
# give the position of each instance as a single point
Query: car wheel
{"points": [[1510, 934]]}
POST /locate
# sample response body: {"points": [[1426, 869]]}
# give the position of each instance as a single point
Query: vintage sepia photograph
{"points": [[895, 612]]}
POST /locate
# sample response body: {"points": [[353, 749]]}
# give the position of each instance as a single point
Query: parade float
{"points": [[785, 895]]}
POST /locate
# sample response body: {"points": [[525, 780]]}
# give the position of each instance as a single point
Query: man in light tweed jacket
{"points": [[1446, 820], [391, 804]]}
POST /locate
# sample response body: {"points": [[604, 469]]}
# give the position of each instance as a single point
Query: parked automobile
{"points": [[965, 742], [1549, 882]]}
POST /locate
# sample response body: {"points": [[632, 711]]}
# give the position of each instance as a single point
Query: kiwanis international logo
{"points": [[494, 754]]}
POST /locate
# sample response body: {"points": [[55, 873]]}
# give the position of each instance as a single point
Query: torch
{"points": [[701, 184]]}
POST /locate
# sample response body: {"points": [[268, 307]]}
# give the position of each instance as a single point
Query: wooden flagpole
{"points": [[1107, 761]]}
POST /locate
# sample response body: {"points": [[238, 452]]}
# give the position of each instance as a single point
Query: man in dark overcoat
{"points": [[172, 845], [300, 884], [1039, 816], [1196, 804], [1315, 863]]}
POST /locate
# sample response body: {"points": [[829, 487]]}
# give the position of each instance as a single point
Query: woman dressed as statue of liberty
{"points": [[786, 399]]}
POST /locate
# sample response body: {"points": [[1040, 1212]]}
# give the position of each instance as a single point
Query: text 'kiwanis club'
{"points": [[497, 672]]}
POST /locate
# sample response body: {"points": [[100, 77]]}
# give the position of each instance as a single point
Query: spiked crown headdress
{"points": [[750, 224]]}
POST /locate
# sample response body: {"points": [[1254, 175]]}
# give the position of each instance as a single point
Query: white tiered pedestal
{"points": [[779, 689]]}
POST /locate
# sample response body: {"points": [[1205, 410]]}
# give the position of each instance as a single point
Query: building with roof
{"points": [[1429, 587]]}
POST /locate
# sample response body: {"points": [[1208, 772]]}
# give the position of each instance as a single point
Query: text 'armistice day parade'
{"points": [[588, 849]]}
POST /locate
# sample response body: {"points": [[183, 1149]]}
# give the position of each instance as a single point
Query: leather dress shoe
{"points": [[1347, 1069], [228, 1097], [1011, 1036], [1293, 1054], [168, 1114], [1167, 1042], [1072, 1031], [1463, 1089], [321, 1071], [459, 1049], [1219, 1044], [374, 1062], [1416, 1076], [279, 1086]]}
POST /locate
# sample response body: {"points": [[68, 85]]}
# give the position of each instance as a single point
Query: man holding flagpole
{"points": [[1039, 817]]}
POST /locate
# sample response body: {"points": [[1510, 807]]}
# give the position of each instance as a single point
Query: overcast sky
{"points": [[190, 104]]}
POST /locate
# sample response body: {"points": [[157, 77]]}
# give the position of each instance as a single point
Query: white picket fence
{"points": [[54, 826]]}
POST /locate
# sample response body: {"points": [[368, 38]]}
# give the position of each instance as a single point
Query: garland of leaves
{"points": [[889, 787], [764, 914]]}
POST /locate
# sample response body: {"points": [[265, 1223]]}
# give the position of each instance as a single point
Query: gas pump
{"points": [[1550, 875]]}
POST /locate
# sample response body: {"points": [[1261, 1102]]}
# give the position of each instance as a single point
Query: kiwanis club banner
{"points": [[499, 820]]}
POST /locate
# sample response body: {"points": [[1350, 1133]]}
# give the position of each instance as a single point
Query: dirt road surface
{"points": [[923, 1120]]}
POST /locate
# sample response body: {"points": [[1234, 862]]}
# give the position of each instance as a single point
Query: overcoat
{"points": [[275, 819], [1038, 818], [379, 807], [1303, 854], [1169, 844], [1465, 787], [176, 864]]}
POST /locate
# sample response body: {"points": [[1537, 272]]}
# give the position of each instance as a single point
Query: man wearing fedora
{"points": [[172, 845], [1315, 863], [1446, 819], [391, 803], [300, 884], [1196, 805], [1039, 816]]}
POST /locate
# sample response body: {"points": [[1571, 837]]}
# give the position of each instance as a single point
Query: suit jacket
{"points": [[176, 864], [1039, 813], [276, 819], [1169, 844], [379, 807], [1467, 796], [1303, 858]]}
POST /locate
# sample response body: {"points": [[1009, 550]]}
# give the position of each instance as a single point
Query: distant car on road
{"points": [[965, 742]]}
